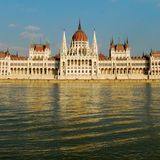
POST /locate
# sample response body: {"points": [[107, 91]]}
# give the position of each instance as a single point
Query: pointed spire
{"points": [[94, 45], [112, 41], [79, 25], [127, 41], [64, 43], [47, 40], [119, 40]]}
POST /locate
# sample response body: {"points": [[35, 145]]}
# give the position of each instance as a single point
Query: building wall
{"points": [[79, 61], [29, 69], [124, 69], [154, 70], [86, 67]]}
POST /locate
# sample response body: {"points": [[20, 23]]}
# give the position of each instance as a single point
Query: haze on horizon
{"points": [[24, 22]]}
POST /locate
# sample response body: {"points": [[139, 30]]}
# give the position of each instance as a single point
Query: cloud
{"points": [[31, 32], [4, 46], [12, 25], [31, 35], [32, 28]]}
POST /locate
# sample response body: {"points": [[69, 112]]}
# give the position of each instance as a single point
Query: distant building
{"points": [[80, 61], [39, 64]]}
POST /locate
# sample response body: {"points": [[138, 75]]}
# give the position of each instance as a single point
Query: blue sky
{"points": [[26, 21]]}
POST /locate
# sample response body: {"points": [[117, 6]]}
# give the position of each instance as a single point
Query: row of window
{"points": [[3, 67], [80, 71], [155, 63], [33, 64], [3, 72], [79, 67], [3, 63], [124, 64], [140, 64]]}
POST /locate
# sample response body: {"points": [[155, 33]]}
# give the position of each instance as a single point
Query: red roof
{"points": [[156, 54], [40, 47], [119, 47], [3, 54], [79, 36], [102, 57], [16, 57], [57, 57]]}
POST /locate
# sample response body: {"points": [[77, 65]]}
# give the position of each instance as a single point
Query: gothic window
{"points": [[80, 51], [45, 71], [90, 62], [79, 62], [71, 62], [68, 62]]}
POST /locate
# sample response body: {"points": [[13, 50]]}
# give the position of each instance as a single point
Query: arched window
{"points": [[90, 63]]}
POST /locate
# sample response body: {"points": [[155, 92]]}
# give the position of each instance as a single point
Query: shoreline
{"points": [[81, 80]]}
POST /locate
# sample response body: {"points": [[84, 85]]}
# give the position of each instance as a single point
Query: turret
{"points": [[63, 49], [94, 45]]}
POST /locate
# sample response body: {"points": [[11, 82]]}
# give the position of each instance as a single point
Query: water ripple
{"points": [[79, 121]]}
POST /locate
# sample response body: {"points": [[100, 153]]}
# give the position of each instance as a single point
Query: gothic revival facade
{"points": [[80, 61]]}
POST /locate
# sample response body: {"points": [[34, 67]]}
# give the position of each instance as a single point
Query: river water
{"points": [[79, 120]]}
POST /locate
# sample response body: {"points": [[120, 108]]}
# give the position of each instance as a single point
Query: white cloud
{"points": [[31, 32], [12, 25], [4, 46], [32, 28], [31, 35]]}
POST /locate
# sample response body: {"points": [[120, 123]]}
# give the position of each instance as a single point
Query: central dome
{"points": [[79, 35]]}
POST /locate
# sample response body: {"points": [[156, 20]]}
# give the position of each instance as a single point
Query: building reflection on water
{"points": [[57, 120]]}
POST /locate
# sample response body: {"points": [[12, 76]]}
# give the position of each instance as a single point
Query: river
{"points": [[79, 120]]}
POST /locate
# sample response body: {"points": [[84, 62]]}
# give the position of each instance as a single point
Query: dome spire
{"points": [[79, 35], [79, 25]]}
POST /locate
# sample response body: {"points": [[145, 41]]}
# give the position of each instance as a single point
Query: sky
{"points": [[23, 22]]}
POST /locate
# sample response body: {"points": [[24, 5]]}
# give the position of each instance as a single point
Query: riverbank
{"points": [[82, 81]]}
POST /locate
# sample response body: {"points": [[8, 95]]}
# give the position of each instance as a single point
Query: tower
{"points": [[94, 44], [79, 61], [63, 49], [63, 53]]}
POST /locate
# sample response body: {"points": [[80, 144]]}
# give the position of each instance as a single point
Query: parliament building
{"points": [[80, 61]]}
